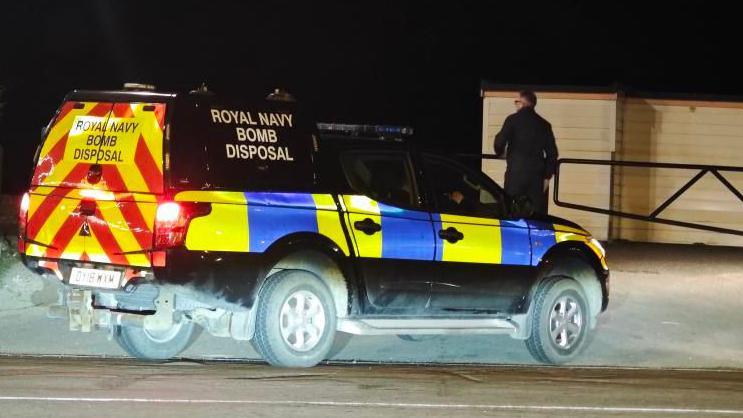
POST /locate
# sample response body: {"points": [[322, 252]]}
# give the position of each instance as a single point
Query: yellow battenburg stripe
{"points": [[563, 228], [225, 228], [482, 240], [328, 221], [361, 208], [235, 198], [571, 236]]}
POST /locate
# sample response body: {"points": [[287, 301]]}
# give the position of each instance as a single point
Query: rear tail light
{"points": [[22, 219], [172, 220]]}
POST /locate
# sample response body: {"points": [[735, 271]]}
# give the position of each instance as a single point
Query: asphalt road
{"points": [[125, 388], [671, 306]]}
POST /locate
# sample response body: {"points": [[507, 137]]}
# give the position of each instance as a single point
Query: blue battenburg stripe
{"points": [[275, 215], [407, 239], [295, 200], [518, 223], [436, 217], [515, 244], [542, 239], [387, 210]]}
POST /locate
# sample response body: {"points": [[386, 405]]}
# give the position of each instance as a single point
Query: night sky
{"points": [[412, 63]]}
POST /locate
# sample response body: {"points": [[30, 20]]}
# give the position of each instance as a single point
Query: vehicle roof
{"points": [[115, 95]]}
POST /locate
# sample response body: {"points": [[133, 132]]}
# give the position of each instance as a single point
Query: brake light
{"points": [[168, 213], [172, 220], [22, 219]]}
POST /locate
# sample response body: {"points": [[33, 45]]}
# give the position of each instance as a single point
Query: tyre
{"points": [[296, 320], [144, 344], [559, 321]]}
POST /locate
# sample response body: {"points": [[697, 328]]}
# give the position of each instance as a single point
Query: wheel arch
{"points": [[575, 260], [318, 255]]}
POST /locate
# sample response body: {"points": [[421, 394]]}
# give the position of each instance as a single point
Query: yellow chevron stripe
{"points": [[75, 248], [34, 250], [151, 132], [122, 233], [94, 249], [34, 201], [63, 126], [59, 172], [57, 217]]}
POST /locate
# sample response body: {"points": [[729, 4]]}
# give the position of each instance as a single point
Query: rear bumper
{"points": [[216, 276], [61, 268]]}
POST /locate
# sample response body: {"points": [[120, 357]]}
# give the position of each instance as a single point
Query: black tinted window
{"points": [[385, 177], [221, 144], [458, 190]]}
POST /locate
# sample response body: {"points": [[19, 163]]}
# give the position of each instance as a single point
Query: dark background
{"points": [[413, 63]]}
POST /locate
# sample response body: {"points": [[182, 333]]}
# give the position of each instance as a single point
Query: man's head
{"points": [[526, 98]]}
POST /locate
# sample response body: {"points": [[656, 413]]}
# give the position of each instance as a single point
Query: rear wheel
{"points": [[147, 344], [296, 320], [559, 321]]}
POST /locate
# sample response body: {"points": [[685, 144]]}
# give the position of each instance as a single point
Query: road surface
{"points": [[43, 387]]}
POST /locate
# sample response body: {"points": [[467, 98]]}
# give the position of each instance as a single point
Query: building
{"points": [[607, 124]]}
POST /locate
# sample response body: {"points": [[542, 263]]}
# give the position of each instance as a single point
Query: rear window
{"points": [[104, 145], [219, 144]]}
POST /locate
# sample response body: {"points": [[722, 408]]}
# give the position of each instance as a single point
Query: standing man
{"points": [[527, 140]]}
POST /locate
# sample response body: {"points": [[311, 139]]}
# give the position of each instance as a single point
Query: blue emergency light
{"points": [[381, 131]]}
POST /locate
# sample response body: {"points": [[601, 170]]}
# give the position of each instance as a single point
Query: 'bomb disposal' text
{"points": [[255, 138]]}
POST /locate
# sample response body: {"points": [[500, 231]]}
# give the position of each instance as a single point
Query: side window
{"points": [[458, 190], [385, 177]]}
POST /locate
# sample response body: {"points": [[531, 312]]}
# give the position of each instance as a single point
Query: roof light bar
{"points": [[365, 130]]}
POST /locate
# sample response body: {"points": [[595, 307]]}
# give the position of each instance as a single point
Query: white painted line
{"points": [[606, 409]]}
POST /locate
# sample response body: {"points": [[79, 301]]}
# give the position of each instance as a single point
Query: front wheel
{"points": [[296, 320], [156, 345], [559, 322]]}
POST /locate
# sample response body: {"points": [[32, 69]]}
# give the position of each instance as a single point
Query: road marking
{"points": [[659, 410]]}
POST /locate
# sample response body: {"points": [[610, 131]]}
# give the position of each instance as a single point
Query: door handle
{"points": [[451, 234], [367, 226]]}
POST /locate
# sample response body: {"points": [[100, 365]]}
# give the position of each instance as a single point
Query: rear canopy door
{"points": [[124, 139], [91, 196]]}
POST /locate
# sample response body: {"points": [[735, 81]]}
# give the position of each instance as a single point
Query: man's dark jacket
{"points": [[530, 143], [531, 155]]}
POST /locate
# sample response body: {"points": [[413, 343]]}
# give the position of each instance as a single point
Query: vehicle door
{"points": [[483, 258], [392, 233]]}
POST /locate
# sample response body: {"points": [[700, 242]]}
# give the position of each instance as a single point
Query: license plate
{"points": [[108, 279]]}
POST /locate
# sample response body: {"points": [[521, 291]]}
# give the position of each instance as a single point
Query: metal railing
{"points": [[701, 171]]}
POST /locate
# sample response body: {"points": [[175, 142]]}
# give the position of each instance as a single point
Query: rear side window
{"points": [[121, 144], [385, 177], [229, 145]]}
